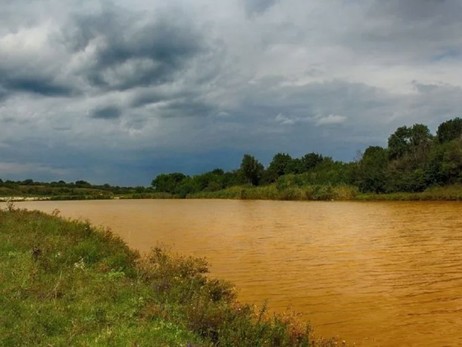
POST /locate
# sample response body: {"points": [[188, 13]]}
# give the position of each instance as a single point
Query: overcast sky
{"points": [[119, 91]]}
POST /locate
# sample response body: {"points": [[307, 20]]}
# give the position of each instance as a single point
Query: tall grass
{"points": [[275, 192], [437, 193], [65, 283]]}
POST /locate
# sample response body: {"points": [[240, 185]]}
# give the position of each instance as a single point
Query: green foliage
{"points": [[309, 161], [451, 162], [280, 165], [65, 283], [413, 161], [371, 175], [168, 183], [251, 169], [449, 130], [409, 141], [80, 190]]}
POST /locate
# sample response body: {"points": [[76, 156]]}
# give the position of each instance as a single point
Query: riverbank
{"points": [[66, 283], [272, 192], [328, 193]]}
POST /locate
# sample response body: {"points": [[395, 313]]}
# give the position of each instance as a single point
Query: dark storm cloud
{"points": [[258, 6], [109, 112], [419, 26], [21, 71], [186, 108], [33, 84], [3, 93], [418, 9], [315, 99], [133, 49]]}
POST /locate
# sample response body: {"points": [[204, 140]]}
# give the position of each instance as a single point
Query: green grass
{"points": [[64, 283], [273, 192], [444, 193], [328, 193], [284, 190]]}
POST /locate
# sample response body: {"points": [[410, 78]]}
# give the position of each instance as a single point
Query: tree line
{"points": [[413, 161], [79, 189]]}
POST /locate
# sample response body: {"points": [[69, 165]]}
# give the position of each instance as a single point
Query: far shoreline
{"points": [[270, 193]]}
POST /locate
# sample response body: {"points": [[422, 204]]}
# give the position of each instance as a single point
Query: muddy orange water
{"points": [[375, 274]]}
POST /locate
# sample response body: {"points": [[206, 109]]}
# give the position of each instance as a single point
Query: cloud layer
{"points": [[119, 91]]}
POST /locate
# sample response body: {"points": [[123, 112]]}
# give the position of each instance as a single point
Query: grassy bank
{"points": [[272, 192], [65, 283], [445, 193], [329, 192]]}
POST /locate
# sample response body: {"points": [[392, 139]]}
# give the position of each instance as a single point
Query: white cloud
{"points": [[330, 119]]}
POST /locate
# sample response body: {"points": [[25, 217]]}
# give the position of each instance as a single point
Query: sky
{"points": [[118, 91]]}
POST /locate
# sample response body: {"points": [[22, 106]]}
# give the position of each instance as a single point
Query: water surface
{"points": [[376, 274]]}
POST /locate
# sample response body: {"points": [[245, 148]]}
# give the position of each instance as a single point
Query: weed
{"points": [[66, 283]]}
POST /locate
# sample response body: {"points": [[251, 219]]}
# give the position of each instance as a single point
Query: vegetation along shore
{"points": [[415, 165], [64, 282]]}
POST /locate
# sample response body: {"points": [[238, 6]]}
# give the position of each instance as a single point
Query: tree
{"points": [[280, 165], [409, 153], [445, 164], [411, 145], [82, 184], [372, 170], [449, 130], [168, 183], [310, 161], [210, 181], [251, 169], [398, 142]]}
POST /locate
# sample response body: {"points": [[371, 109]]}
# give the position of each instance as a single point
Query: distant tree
{"points": [[413, 140], [410, 152], [82, 184], [168, 183], [251, 169], [398, 142], [209, 181], [449, 130], [140, 189], [371, 175], [446, 163], [451, 163], [280, 165], [186, 186], [328, 172], [310, 161], [232, 178]]}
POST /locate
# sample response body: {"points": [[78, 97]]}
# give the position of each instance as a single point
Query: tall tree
{"points": [[449, 130], [310, 161], [409, 141], [280, 165], [398, 142], [372, 170], [168, 183], [251, 169]]}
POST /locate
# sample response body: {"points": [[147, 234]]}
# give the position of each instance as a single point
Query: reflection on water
{"points": [[377, 274]]}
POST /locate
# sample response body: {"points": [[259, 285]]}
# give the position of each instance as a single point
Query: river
{"points": [[372, 273]]}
